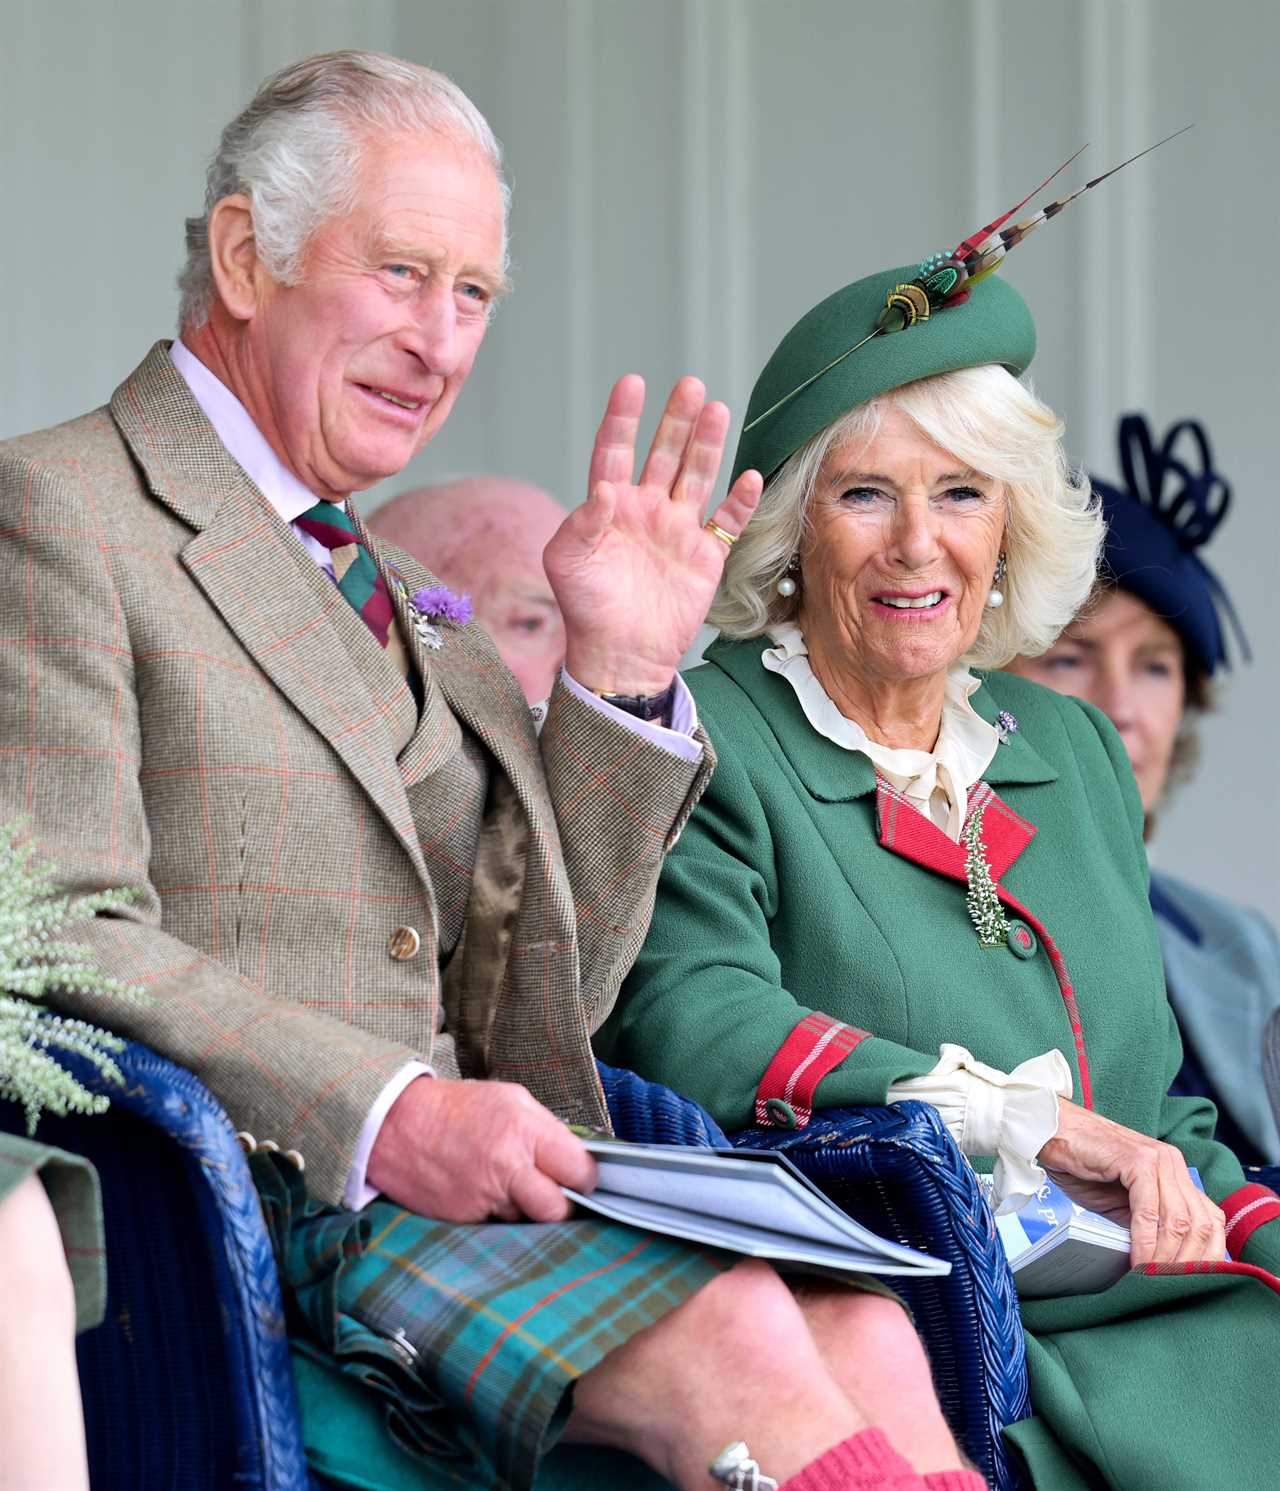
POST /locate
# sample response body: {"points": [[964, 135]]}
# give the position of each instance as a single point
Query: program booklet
{"points": [[748, 1201], [1056, 1246]]}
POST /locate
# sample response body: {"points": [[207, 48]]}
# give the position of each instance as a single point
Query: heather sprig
{"points": [[34, 962]]}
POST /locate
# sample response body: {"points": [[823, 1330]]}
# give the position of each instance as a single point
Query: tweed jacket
{"points": [[190, 709], [1222, 970]]}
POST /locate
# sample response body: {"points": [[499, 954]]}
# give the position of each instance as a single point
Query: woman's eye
{"points": [[962, 496], [1158, 668], [861, 496], [1061, 662]]}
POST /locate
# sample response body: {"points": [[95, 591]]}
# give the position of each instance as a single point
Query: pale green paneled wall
{"points": [[689, 176]]}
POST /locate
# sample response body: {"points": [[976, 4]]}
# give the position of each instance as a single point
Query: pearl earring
{"points": [[786, 586], [995, 596]]}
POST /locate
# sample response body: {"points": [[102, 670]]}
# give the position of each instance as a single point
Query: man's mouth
{"points": [[390, 396]]}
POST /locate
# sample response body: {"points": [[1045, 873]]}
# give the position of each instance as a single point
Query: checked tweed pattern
{"points": [[188, 707]]}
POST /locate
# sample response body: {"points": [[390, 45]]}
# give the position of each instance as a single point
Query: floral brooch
{"points": [[431, 605]]}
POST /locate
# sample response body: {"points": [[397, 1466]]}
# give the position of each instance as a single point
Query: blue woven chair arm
{"points": [[898, 1171], [649, 1113], [260, 1398]]}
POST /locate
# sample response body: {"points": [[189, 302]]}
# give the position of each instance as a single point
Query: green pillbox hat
{"points": [[993, 325]]}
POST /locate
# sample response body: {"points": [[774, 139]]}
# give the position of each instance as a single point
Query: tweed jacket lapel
{"points": [[283, 609]]}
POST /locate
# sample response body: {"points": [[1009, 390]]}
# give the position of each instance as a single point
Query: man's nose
{"points": [[431, 329]]}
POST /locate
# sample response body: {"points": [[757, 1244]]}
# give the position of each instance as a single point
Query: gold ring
{"points": [[729, 539]]}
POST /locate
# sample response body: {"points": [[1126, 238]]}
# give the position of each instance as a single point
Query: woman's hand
{"points": [[1111, 1169]]}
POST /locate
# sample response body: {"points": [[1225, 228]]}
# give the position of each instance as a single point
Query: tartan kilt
{"points": [[72, 1186], [471, 1335]]}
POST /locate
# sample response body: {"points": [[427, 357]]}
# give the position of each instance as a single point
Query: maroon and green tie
{"points": [[361, 582]]}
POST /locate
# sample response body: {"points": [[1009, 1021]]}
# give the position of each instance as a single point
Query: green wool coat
{"points": [[781, 900]]}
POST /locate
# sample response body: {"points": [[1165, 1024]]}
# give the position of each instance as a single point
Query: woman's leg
{"points": [[41, 1424]]}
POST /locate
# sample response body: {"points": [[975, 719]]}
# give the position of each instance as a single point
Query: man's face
{"points": [[353, 370]]}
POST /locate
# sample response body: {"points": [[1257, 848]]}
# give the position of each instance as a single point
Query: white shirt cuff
{"points": [[358, 1192], [1010, 1115], [678, 738]]}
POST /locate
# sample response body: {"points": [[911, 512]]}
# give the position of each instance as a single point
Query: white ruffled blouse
{"points": [[1009, 1115]]}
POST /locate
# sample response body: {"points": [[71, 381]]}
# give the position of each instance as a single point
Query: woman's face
{"points": [[898, 556], [1129, 663]]}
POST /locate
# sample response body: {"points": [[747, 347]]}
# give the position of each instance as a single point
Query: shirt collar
{"points": [[244, 441]]}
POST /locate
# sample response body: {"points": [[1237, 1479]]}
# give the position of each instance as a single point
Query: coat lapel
{"points": [[282, 608]]}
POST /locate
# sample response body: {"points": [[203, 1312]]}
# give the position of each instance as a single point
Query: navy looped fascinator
{"points": [[1169, 508]]}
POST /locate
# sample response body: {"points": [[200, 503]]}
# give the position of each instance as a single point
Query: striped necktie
{"points": [[359, 579]]}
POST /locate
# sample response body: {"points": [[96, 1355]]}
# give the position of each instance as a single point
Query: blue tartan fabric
{"points": [[472, 1335]]}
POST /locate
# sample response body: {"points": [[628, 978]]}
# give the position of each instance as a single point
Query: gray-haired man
{"points": [[362, 881]]}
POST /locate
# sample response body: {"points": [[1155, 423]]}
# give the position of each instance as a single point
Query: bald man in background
{"points": [[485, 535]]}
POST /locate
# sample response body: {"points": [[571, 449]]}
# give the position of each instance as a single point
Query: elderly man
{"points": [[361, 882], [485, 535]]}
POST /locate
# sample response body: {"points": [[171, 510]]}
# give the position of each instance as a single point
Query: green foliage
{"points": [[34, 962]]}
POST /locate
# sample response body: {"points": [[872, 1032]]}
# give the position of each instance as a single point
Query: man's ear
{"points": [[238, 273]]}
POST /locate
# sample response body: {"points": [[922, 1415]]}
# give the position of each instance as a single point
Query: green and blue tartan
{"points": [[472, 1335]]}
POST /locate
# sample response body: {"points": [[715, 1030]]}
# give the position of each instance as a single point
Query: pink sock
{"points": [[868, 1462]]}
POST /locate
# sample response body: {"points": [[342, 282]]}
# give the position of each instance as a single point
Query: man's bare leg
{"points": [[736, 1361], [873, 1352]]}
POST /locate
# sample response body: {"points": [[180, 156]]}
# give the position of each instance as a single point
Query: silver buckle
{"points": [[734, 1467]]}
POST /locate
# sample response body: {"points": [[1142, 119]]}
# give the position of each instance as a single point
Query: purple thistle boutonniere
{"points": [[1006, 725], [436, 603]]}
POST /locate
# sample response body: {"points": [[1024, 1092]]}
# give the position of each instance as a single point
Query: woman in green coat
{"points": [[910, 879]]}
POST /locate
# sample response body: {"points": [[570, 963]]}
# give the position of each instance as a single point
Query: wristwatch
{"points": [[643, 706]]}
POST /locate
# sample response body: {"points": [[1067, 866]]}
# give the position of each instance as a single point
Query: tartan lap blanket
{"points": [[472, 1335]]}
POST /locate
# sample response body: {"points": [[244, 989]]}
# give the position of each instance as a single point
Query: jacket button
{"points": [[404, 943], [1021, 940], [781, 1114]]}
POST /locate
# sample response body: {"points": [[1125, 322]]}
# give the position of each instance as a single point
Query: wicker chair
{"points": [[188, 1381]]}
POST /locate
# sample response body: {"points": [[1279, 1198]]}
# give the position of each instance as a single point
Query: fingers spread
{"points": [[734, 513], [702, 457], [613, 457], [679, 418]]}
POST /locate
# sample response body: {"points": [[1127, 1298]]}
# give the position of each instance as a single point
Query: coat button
{"points": [[781, 1114], [1021, 940], [404, 943]]}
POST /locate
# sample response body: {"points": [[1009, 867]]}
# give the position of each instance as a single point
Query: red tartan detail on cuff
{"points": [[1247, 1209], [1244, 1270], [815, 1047]]}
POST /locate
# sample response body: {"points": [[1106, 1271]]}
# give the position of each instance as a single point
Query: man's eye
{"points": [[530, 625], [478, 293], [400, 271]]}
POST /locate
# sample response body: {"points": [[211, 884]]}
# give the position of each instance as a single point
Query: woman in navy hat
{"points": [[1144, 650]]}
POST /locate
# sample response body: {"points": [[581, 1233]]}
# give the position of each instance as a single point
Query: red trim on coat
{"points": [[1244, 1270], [1247, 1209], [905, 830], [815, 1047]]}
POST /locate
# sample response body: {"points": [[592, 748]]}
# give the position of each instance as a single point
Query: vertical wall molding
{"points": [[1138, 128], [698, 239], [1100, 250], [986, 95], [582, 395]]}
